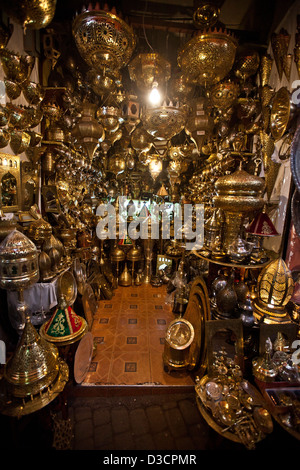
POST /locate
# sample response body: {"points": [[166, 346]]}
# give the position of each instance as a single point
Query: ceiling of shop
{"points": [[253, 21]]}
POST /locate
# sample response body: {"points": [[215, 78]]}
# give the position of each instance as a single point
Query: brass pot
{"points": [[39, 231], [87, 132], [125, 279]]}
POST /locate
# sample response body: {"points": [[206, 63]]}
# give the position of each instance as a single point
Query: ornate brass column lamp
{"points": [[34, 375], [238, 194]]}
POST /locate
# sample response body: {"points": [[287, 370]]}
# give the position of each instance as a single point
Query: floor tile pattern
{"points": [[129, 334]]}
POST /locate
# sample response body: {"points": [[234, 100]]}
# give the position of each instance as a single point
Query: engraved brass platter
{"points": [[197, 313]]}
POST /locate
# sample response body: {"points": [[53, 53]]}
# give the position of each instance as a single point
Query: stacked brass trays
{"points": [[208, 56], [103, 40]]}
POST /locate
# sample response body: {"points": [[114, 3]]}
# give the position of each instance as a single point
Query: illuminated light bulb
{"points": [[154, 95]]}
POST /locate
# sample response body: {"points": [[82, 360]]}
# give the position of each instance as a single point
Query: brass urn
{"points": [[237, 195]]}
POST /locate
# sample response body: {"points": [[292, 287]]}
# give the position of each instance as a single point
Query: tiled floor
{"points": [[129, 332]]}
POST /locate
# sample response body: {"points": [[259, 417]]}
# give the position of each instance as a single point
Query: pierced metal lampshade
{"points": [[103, 40], [275, 287], [31, 14], [146, 69], [163, 122], [19, 267], [34, 365], [208, 57]]}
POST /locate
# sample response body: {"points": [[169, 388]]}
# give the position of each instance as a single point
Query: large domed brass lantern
{"points": [[164, 122], [208, 57], [34, 375], [238, 195], [103, 40], [149, 69], [275, 288]]}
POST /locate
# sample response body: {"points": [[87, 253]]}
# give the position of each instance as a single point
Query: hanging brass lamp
{"points": [[31, 14], [275, 287], [103, 40], [148, 69], [88, 133], [208, 57]]}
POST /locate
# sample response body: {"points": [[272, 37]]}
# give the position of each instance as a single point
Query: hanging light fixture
{"points": [[87, 132]]}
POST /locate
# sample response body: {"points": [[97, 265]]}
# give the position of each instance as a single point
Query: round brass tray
{"points": [[12, 406], [280, 113], [197, 313]]}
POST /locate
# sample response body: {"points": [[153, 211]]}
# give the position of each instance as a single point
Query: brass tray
{"points": [[197, 313], [295, 158]]}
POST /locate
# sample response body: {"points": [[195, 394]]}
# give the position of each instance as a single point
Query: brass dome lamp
{"points": [[103, 40], [208, 57], [34, 375], [238, 194], [31, 14]]}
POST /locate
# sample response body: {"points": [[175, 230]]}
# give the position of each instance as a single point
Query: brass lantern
{"points": [[87, 132], [275, 287], [149, 69], [199, 123], [208, 57], [103, 40], [238, 194]]}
